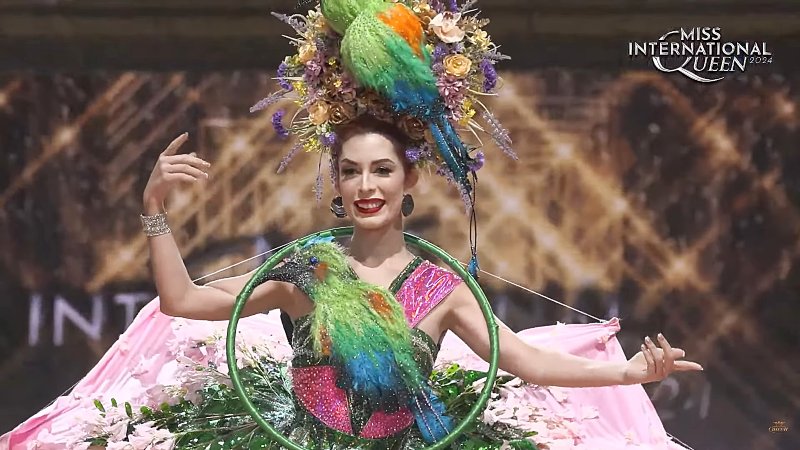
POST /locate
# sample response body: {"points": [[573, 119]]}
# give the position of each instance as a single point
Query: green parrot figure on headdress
{"points": [[383, 48]]}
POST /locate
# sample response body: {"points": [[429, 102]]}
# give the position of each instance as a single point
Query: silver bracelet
{"points": [[155, 225]]}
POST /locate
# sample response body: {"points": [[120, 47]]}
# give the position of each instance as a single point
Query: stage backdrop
{"points": [[668, 203]]}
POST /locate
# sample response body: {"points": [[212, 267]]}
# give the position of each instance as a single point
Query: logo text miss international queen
{"points": [[700, 53]]}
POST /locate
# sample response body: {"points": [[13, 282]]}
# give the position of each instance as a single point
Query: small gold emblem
{"points": [[779, 426]]}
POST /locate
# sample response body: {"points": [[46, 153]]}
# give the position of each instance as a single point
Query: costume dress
{"points": [[162, 361]]}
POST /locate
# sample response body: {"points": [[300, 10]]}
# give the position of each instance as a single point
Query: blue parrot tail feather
{"points": [[454, 161], [429, 414]]}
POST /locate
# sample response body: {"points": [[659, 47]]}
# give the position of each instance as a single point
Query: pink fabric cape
{"points": [[625, 418]]}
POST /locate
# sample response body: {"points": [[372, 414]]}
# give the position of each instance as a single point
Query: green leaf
{"points": [[128, 410], [114, 402], [99, 406], [523, 444]]}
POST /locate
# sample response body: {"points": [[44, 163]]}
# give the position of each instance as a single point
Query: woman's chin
{"points": [[372, 222]]}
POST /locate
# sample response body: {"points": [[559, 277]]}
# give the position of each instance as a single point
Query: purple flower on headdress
{"points": [[445, 5], [267, 102], [277, 124], [489, 74], [499, 134], [313, 71], [413, 154], [328, 139], [477, 164], [289, 156], [282, 77], [439, 52]]}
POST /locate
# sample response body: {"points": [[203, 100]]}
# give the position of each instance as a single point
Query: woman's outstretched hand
{"points": [[169, 171], [654, 363]]}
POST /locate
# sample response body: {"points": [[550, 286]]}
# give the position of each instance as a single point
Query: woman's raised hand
{"points": [[655, 363], [170, 170]]}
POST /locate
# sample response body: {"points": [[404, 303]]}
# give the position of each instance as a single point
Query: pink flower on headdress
{"points": [[445, 25], [453, 90]]}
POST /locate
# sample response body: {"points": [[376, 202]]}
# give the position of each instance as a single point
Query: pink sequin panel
{"points": [[316, 389], [381, 424], [425, 288]]}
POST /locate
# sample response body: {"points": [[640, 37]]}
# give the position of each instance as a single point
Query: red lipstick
{"points": [[369, 205]]}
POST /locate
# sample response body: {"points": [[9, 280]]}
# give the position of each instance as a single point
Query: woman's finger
{"points": [[186, 168], [191, 159], [685, 366], [179, 176], [669, 354], [651, 364], [175, 144], [657, 363]]}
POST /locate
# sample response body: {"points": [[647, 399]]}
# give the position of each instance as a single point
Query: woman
{"points": [[373, 179], [367, 324]]}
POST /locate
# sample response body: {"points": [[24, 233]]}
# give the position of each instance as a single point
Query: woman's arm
{"points": [[547, 367], [179, 296]]}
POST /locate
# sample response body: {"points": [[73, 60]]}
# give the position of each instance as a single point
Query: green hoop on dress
{"points": [[241, 299]]}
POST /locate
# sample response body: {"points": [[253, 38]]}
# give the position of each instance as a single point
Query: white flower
{"points": [[445, 25], [146, 437]]}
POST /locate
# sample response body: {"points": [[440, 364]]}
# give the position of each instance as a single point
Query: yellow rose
{"points": [[445, 25], [457, 65], [318, 113], [307, 52], [341, 113]]}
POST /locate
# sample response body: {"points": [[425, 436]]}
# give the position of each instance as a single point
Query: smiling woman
{"points": [[372, 173]]}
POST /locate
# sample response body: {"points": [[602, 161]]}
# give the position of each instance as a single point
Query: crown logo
{"points": [[779, 426]]}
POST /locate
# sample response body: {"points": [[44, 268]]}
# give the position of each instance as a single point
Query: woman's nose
{"points": [[366, 182]]}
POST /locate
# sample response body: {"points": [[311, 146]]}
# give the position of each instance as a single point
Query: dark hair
{"points": [[369, 124]]}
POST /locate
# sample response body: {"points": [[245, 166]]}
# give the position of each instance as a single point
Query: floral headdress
{"points": [[440, 65]]}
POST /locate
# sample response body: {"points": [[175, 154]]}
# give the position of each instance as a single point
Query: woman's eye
{"points": [[384, 170], [348, 171]]}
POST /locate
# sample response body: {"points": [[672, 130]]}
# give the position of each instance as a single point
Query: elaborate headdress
{"points": [[422, 64]]}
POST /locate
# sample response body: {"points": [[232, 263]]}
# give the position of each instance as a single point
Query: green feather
{"points": [[379, 58], [341, 13]]}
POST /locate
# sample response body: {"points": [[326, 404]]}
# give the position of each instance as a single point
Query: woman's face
{"points": [[372, 180]]}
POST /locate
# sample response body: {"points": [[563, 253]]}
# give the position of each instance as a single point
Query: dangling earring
{"points": [[407, 207], [337, 207]]}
